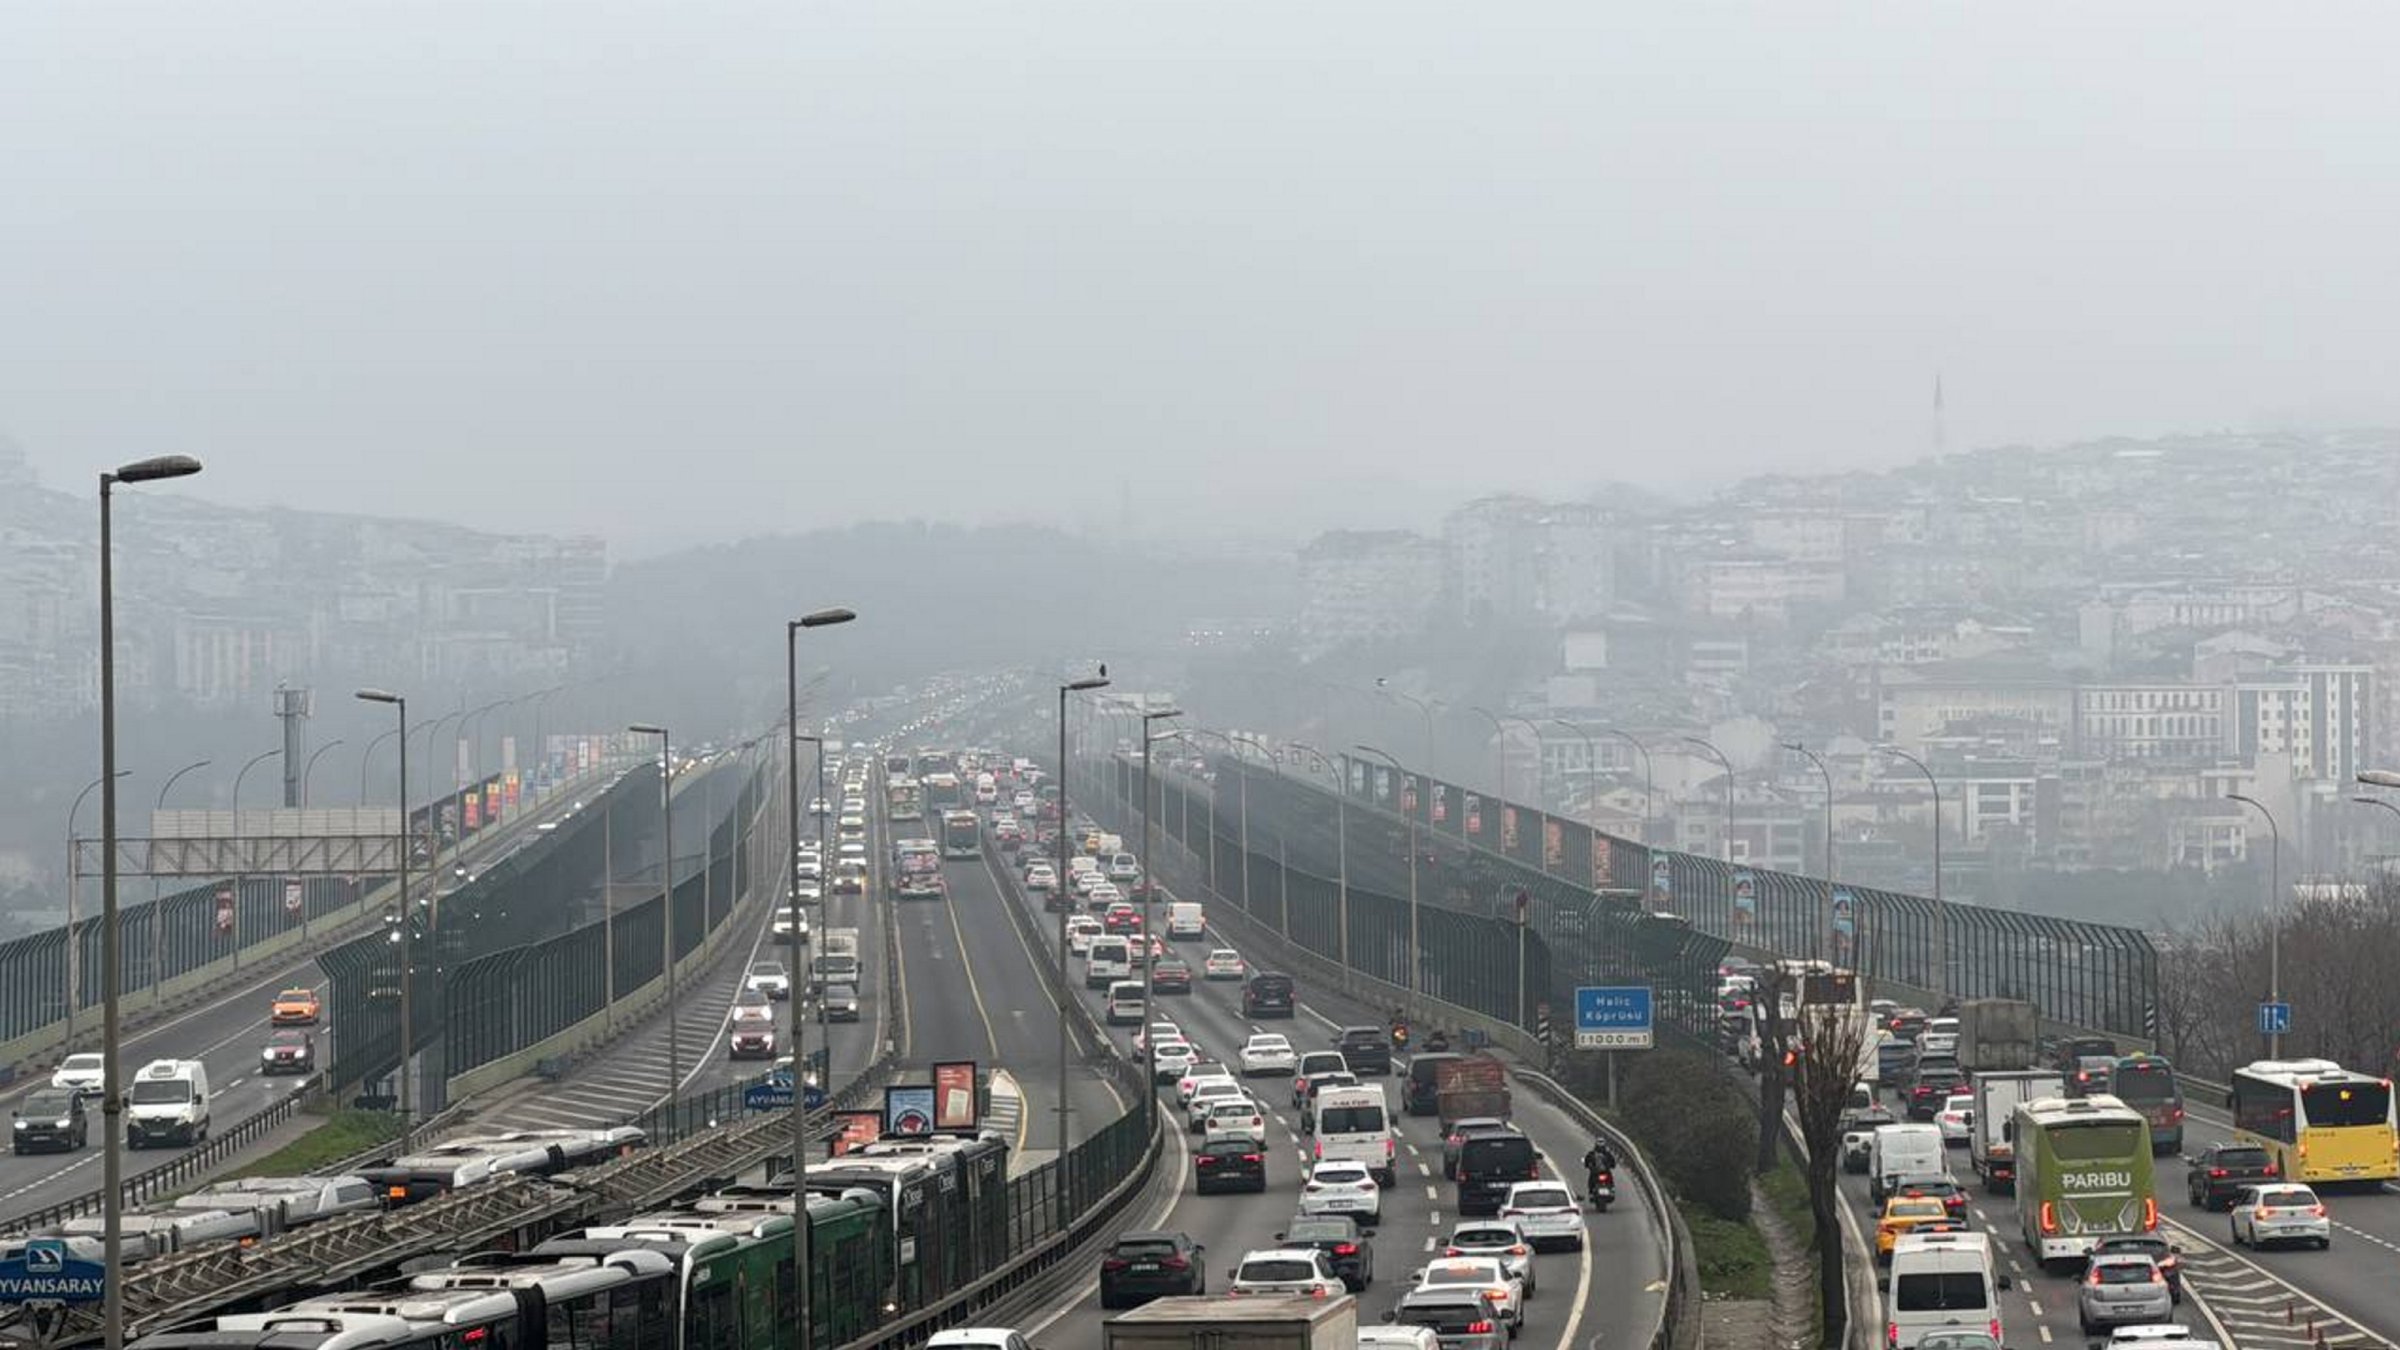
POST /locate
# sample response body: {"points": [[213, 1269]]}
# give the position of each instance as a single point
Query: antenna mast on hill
{"points": [[1941, 433]]}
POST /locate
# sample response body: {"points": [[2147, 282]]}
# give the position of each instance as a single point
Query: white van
{"points": [[1111, 959], [1903, 1151], [1354, 1124], [1124, 1002], [1941, 1282], [1186, 919], [168, 1104]]}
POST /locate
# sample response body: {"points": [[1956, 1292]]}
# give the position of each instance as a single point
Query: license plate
{"points": [[1145, 1267]]}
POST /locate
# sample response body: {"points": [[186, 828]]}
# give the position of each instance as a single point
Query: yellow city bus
{"points": [[2318, 1120]]}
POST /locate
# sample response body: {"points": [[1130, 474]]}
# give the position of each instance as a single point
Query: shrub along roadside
{"points": [[343, 1134]]}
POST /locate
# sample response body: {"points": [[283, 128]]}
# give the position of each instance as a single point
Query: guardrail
{"points": [[174, 1173]]}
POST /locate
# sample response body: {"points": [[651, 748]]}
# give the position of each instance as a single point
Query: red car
{"points": [[1122, 919]]}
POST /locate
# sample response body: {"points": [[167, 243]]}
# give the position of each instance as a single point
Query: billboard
{"points": [[954, 1095], [908, 1108]]}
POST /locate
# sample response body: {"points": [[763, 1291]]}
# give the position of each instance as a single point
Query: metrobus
{"points": [[962, 835], [2083, 1174], [2318, 1120], [904, 799], [943, 792], [931, 762], [2147, 1084], [917, 870], [896, 766]]}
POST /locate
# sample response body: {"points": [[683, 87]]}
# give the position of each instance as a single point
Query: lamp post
{"points": [[1649, 779], [75, 947], [1416, 973], [1499, 750], [1941, 913], [1825, 927], [1719, 756], [255, 761], [1341, 843], [311, 766], [2274, 909], [112, 1082], [823, 618], [366, 758], [666, 897], [1066, 818], [408, 916], [158, 960], [1384, 686], [1150, 907]]}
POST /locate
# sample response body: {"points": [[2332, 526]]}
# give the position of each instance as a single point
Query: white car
{"points": [[2286, 1213], [1236, 1115], [1956, 1119], [81, 1072], [1205, 1071], [809, 868], [1399, 1338], [769, 978], [1174, 1058], [1080, 931], [854, 806], [809, 892], [1342, 1188], [1499, 1239], [1223, 964], [818, 806], [1102, 895], [1546, 1212], [1267, 1053], [1489, 1274], [1302, 1271], [1205, 1097], [1165, 1031], [1040, 877], [979, 1338], [853, 849]]}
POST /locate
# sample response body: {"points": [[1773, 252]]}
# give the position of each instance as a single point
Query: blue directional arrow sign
{"points": [[1613, 1017], [2274, 1018]]}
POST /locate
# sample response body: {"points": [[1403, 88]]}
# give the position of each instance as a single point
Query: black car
{"points": [[2158, 1249], [2219, 1172], [52, 1118], [1172, 975], [1347, 1247], [1932, 1085], [1145, 1265], [1368, 1049], [1230, 1162], [1267, 995], [1460, 1129], [288, 1051], [1489, 1162]]}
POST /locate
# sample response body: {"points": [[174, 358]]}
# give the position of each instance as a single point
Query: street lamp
{"points": [[1941, 969], [255, 761], [1719, 756], [1150, 904], [1825, 931], [75, 948], [2275, 901], [366, 758], [1341, 843], [311, 766], [1065, 818], [1499, 750], [112, 1082], [823, 618], [1416, 974], [1384, 686], [408, 916], [158, 960], [2394, 808], [666, 896]]}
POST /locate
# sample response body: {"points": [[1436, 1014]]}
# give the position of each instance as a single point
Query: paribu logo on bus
{"points": [[2095, 1181]]}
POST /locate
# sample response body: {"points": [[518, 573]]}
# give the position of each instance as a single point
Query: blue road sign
{"points": [[2274, 1018], [1613, 1017], [47, 1271], [778, 1097]]}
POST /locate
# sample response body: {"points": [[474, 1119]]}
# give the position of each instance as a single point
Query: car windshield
{"points": [[1484, 1237], [159, 1092], [2241, 1157], [1350, 1120], [79, 1062], [1142, 1249], [1938, 1291], [1276, 1269], [1536, 1196], [45, 1104], [2127, 1272]]}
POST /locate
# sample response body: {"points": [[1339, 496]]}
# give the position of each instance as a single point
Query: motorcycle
{"points": [[1399, 1035], [1601, 1189]]}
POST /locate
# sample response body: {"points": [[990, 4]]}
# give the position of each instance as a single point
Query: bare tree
{"points": [[1829, 1042], [1772, 988]]}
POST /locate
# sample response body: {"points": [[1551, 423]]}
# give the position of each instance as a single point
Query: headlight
{"points": [[18, 1124], [66, 1124]]}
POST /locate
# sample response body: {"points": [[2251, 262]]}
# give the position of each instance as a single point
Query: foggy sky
{"points": [[664, 271]]}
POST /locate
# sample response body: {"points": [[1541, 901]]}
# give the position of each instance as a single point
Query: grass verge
{"points": [[1733, 1258], [1786, 1189], [343, 1134]]}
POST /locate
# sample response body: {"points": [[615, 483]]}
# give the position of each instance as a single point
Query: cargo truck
{"points": [[1471, 1085], [1996, 1035], [1221, 1322], [1989, 1149], [836, 961]]}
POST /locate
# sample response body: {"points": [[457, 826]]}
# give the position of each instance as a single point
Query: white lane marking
{"points": [[1583, 1289], [1090, 1288], [1432, 1194], [2045, 1334], [2036, 1305]]}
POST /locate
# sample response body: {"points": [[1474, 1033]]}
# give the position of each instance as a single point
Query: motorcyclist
{"points": [[1436, 1041], [1599, 1167]]}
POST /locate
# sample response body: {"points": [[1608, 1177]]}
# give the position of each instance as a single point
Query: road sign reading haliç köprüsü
{"points": [[1613, 1017]]}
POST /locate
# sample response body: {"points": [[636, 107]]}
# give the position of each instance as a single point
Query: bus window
{"points": [[2147, 1084], [2330, 1104]]}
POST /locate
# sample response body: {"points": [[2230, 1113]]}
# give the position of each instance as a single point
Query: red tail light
{"points": [[1114, 1263], [1204, 1161], [1479, 1328], [1261, 1157], [1452, 1251], [1604, 1178], [2149, 1213], [1993, 1327], [2317, 1210], [1176, 1263], [2271, 1170], [1891, 1333], [2049, 1217], [2216, 1173], [1534, 1173], [2093, 1279], [1351, 1249]]}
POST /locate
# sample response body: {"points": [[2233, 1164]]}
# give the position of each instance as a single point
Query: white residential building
{"points": [[1367, 586]]}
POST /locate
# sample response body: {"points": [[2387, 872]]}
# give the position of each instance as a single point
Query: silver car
{"points": [[2122, 1288], [1461, 1319]]}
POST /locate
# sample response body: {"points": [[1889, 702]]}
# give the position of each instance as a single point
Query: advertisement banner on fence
{"points": [[908, 1108], [1845, 925], [1745, 897], [954, 1095], [1508, 829], [1554, 845], [1441, 803], [1408, 796], [1603, 866], [225, 909], [1474, 816], [474, 815], [295, 895], [857, 1128], [1662, 882]]}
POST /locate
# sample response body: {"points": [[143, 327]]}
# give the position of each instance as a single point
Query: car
{"points": [[1081, 929], [1236, 1115], [1228, 1161], [1341, 1188], [1937, 1186], [791, 926], [1956, 1119], [1398, 1338], [1934, 1083], [1909, 1212], [1303, 1271], [2280, 1212], [808, 867], [1547, 1213], [288, 1051], [1223, 964], [1206, 1095], [1201, 1071], [295, 1008], [809, 891], [1489, 1274], [1490, 1164], [1144, 1264], [979, 1338], [1464, 1319], [1499, 1239], [750, 1038], [52, 1118], [769, 978], [852, 850], [1269, 994], [81, 1072], [2219, 1173], [2168, 1256], [1456, 1139], [818, 806], [1347, 1245], [1163, 1030], [1267, 1053], [1125, 1003], [1121, 918], [1171, 1059], [1171, 975], [1041, 877], [2119, 1288], [1367, 1050], [1311, 1064], [838, 1004], [1858, 1136]]}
